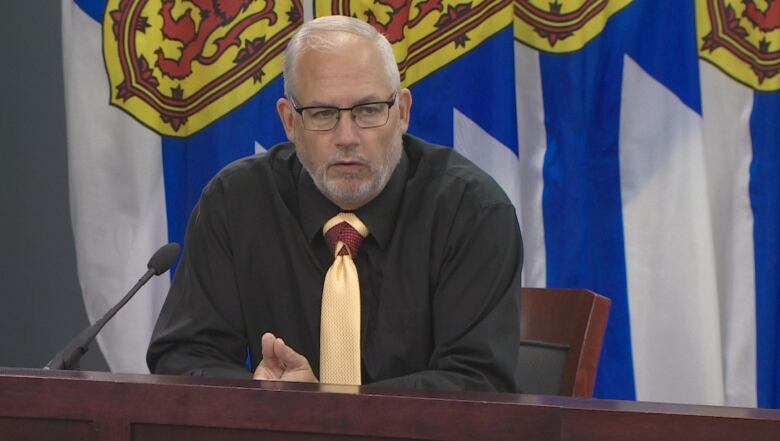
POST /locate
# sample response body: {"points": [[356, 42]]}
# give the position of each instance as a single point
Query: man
{"points": [[437, 255]]}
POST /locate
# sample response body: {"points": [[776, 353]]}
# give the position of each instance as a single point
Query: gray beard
{"points": [[364, 192]]}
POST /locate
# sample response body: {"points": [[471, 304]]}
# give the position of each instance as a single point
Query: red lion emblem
{"points": [[768, 20], [173, 63], [215, 14], [399, 18]]}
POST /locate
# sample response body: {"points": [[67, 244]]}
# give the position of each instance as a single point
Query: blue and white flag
{"points": [[650, 130], [638, 139], [160, 95]]}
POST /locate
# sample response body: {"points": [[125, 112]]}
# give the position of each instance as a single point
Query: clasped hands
{"points": [[281, 363]]}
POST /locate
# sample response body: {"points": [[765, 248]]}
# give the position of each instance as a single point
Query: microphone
{"points": [[68, 358]]}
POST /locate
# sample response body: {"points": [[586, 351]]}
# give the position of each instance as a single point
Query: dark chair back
{"points": [[561, 333]]}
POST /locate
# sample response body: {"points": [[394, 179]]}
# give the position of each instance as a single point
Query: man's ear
{"points": [[287, 115], [404, 107]]}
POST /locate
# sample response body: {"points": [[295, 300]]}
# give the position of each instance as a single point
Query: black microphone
{"points": [[68, 358]]}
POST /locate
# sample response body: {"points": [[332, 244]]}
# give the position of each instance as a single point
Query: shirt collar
{"points": [[379, 214]]}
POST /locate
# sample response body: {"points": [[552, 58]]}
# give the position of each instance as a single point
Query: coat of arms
{"points": [[742, 38], [562, 26], [179, 65]]}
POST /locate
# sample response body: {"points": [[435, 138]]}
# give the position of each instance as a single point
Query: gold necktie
{"points": [[340, 320]]}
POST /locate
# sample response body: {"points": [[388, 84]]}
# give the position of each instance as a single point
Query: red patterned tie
{"points": [[340, 320]]}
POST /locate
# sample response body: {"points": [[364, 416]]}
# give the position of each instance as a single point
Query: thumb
{"points": [[288, 356]]}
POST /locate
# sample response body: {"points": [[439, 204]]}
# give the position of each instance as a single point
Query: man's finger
{"points": [[287, 355], [267, 344], [297, 367], [270, 367]]}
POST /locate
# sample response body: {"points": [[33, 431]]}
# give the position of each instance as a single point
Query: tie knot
{"points": [[347, 229]]}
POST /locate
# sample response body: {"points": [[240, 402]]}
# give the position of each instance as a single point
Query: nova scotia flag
{"points": [[132, 189], [651, 159]]}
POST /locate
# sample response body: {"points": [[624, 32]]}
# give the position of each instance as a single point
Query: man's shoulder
{"points": [[277, 164], [279, 156], [443, 169]]}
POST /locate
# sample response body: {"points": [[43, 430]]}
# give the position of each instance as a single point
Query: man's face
{"points": [[350, 165]]}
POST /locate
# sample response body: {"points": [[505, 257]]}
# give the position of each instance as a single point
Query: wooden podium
{"points": [[56, 405]]}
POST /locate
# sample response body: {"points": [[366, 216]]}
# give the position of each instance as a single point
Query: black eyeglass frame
{"points": [[390, 102]]}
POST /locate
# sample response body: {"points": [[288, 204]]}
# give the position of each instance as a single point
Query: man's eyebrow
{"points": [[372, 98]]}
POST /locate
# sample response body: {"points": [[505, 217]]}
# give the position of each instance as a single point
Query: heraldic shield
{"points": [[562, 26], [742, 38], [179, 65]]}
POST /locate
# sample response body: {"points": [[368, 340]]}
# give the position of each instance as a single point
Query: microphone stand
{"points": [[68, 358]]}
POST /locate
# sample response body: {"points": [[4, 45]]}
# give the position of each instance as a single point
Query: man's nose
{"points": [[346, 129]]}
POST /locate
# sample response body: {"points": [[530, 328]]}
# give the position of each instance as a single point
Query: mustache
{"points": [[351, 156]]}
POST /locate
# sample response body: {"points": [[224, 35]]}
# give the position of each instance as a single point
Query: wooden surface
{"points": [[43, 405], [573, 317]]}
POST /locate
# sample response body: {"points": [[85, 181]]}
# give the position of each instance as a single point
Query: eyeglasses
{"points": [[365, 115]]}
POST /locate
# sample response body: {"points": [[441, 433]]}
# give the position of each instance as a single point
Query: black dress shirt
{"points": [[439, 274]]}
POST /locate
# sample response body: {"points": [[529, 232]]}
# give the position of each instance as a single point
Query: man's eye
{"points": [[322, 113], [369, 109]]}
